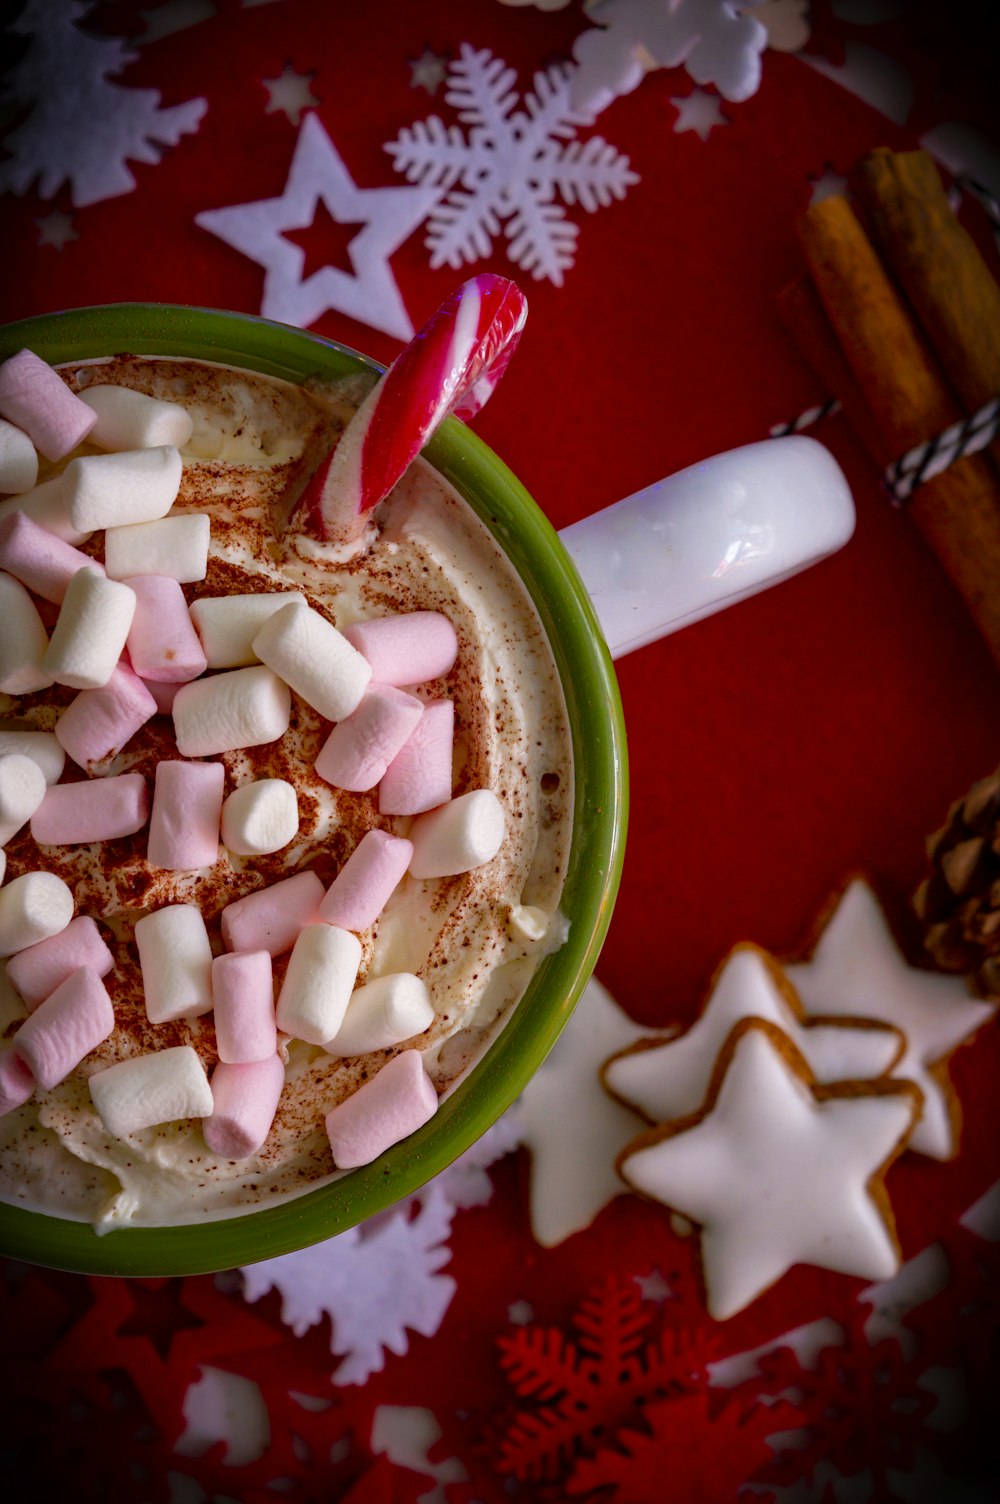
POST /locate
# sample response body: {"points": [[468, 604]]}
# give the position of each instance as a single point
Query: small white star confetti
{"points": [[519, 1313], [290, 92], [654, 1287], [428, 71], [826, 184], [56, 230], [698, 111], [317, 174]]}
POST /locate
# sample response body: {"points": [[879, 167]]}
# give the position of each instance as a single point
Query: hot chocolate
{"points": [[474, 939]]}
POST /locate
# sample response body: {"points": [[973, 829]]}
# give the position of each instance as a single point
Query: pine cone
{"points": [[959, 903]]}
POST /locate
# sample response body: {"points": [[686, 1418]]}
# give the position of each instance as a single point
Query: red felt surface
{"points": [[820, 728]]}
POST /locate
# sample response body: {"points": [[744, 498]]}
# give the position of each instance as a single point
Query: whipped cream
{"points": [[474, 939]]}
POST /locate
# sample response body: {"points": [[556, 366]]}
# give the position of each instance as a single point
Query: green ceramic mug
{"points": [[598, 832]]}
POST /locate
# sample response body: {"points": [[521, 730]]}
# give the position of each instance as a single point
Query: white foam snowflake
{"points": [[715, 40], [508, 171], [80, 127], [379, 1281]]}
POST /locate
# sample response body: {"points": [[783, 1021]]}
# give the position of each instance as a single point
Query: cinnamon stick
{"points": [[804, 318], [958, 512], [939, 266]]}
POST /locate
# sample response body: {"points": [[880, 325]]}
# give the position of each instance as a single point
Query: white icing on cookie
{"points": [[776, 1175], [670, 1080], [857, 968]]}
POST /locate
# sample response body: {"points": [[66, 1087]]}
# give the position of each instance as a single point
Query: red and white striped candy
{"points": [[451, 365]]}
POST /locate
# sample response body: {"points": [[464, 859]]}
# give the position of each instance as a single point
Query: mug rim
{"points": [[598, 827]]}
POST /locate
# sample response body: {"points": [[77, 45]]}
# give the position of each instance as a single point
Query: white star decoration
{"points": [[317, 174], [56, 229], [290, 92], [827, 184], [699, 112], [774, 1176], [572, 1127], [671, 1079], [857, 968], [428, 71]]}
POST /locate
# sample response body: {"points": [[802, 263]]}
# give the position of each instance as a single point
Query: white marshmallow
{"points": [[322, 970], [131, 420], [173, 546], [383, 1013], [88, 638], [22, 789], [176, 959], [48, 506], [315, 659], [23, 640], [33, 907], [41, 746], [146, 1090], [244, 708], [18, 459], [260, 817], [228, 624], [458, 836], [110, 490]]}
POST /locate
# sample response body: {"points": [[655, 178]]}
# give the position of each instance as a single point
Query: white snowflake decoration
{"points": [[81, 128], [380, 1280], [376, 1282], [714, 40], [506, 173]]}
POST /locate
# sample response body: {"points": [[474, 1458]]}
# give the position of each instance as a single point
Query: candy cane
{"points": [[452, 365]]}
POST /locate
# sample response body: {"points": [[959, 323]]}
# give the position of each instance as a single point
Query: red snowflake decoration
{"points": [[587, 1387], [861, 1408], [661, 1462]]}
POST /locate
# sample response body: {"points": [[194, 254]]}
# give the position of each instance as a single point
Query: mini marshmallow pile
{"points": [[127, 641]]}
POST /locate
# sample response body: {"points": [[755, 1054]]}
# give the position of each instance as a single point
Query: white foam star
{"points": [[857, 968], [573, 1128], [776, 1177], [388, 217], [699, 112]]}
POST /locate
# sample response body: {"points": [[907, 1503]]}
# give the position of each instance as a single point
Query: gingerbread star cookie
{"points": [[777, 1170], [857, 968], [669, 1079]]}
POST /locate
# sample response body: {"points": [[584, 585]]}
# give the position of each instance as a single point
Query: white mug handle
{"points": [[709, 536]]}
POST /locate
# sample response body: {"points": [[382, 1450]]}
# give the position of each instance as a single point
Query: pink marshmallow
{"points": [[39, 559], [406, 649], [37, 971], [162, 641], [419, 777], [16, 1081], [163, 694], [36, 399], [70, 1023], [98, 809], [359, 748], [393, 1104], [243, 998], [362, 887], [184, 820], [271, 918], [245, 1098], [99, 722]]}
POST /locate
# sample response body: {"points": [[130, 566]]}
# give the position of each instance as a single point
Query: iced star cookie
{"points": [[777, 1170], [666, 1079], [857, 968]]}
